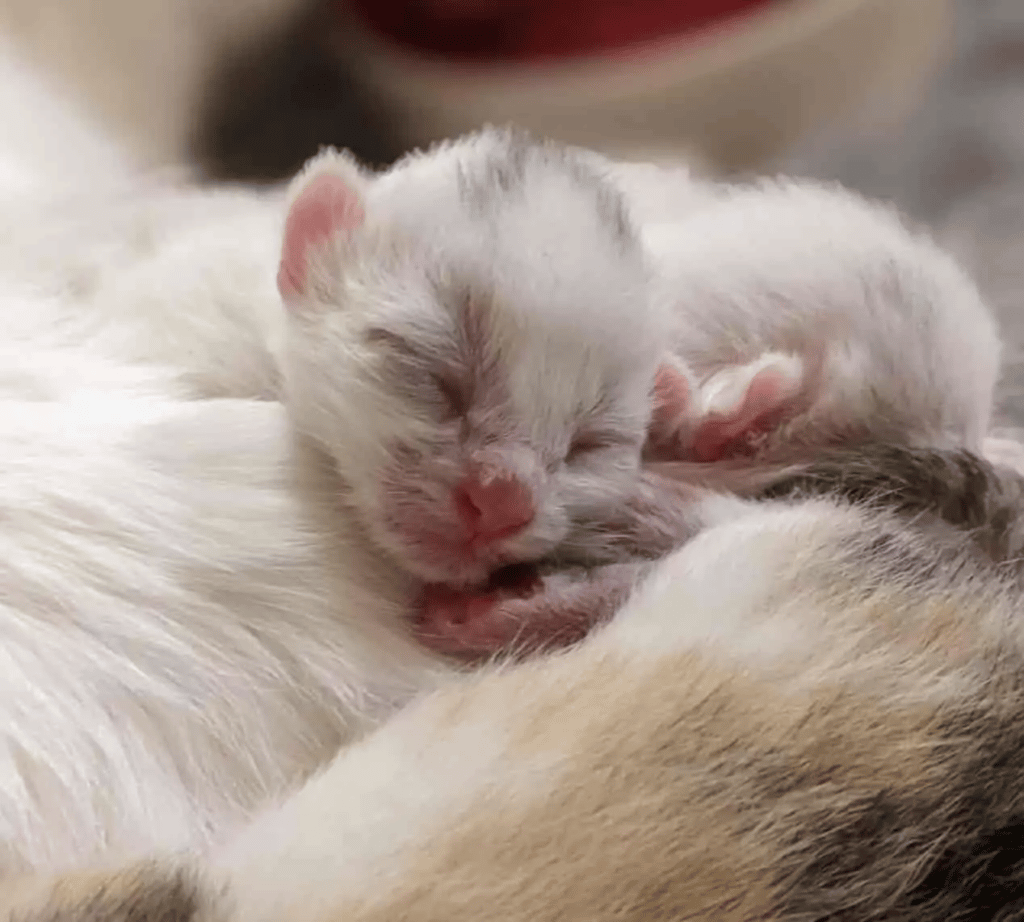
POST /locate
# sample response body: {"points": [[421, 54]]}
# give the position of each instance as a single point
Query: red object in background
{"points": [[532, 30]]}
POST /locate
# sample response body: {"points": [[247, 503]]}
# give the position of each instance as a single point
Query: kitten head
{"points": [[470, 338]]}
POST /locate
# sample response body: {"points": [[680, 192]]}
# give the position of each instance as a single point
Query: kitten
{"points": [[806, 319], [204, 596], [812, 710], [435, 352], [817, 318], [823, 310], [500, 430]]}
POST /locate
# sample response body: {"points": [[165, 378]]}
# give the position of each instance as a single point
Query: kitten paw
{"points": [[524, 618], [729, 414], [739, 405]]}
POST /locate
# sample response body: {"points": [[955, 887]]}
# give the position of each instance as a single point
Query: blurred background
{"points": [[917, 101]]}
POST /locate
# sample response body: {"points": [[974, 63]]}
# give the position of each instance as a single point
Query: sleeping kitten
{"points": [[816, 318], [430, 343], [200, 604], [805, 319], [804, 315], [476, 421], [812, 710]]}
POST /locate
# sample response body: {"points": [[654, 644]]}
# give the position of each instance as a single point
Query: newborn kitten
{"points": [[198, 607], [455, 342], [432, 344], [815, 318], [451, 334], [810, 711], [806, 318], [823, 308]]}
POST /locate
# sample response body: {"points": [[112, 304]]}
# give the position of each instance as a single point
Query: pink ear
{"points": [[326, 207], [744, 402]]}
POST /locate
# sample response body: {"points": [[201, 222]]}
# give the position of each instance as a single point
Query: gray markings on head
{"points": [[505, 173]]}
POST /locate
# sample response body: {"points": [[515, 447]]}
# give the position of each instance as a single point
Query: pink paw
{"points": [[522, 616], [472, 622], [729, 414]]}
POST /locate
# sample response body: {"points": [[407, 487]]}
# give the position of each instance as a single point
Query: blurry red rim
{"points": [[459, 32]]}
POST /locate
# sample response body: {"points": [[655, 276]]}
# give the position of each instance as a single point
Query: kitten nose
{"points": [[494, 509]]}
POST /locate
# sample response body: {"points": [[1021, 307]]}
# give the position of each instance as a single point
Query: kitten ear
{"points": [[327, 204], [743, 401]]}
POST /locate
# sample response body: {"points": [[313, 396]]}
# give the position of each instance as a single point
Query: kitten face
{"points": [[476, 351]]}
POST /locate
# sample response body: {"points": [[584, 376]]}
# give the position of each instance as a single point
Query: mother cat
{"points": [[812, 711]]}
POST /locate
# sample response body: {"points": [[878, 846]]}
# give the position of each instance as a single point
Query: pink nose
{"points": [[494, 509]]}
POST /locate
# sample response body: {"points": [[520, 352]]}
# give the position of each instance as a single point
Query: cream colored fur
{"points": [[798, 716]]}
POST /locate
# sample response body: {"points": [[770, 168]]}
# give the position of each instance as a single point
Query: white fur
{"points": [[189, 621], [895, 338], [187, 628], [300, 840], [194, 617], [769, 593]]}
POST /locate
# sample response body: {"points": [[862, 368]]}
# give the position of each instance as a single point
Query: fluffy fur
{"points": [[810, 711], [200, 603], [430, 334], [190, 621], [805, 318]]}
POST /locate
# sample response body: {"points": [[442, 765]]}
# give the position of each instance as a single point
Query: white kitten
{"points": [[198, 607], [447, 299], [809, 317], [440, 355]]}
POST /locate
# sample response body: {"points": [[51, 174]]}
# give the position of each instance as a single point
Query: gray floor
{"points": [[958, 163]]}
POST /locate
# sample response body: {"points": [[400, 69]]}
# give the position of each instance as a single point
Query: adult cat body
{"points": [[187, 285], [811, 711], [189, 622]]}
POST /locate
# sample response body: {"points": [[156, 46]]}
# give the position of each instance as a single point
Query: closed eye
{"points": [[409, 363]]}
